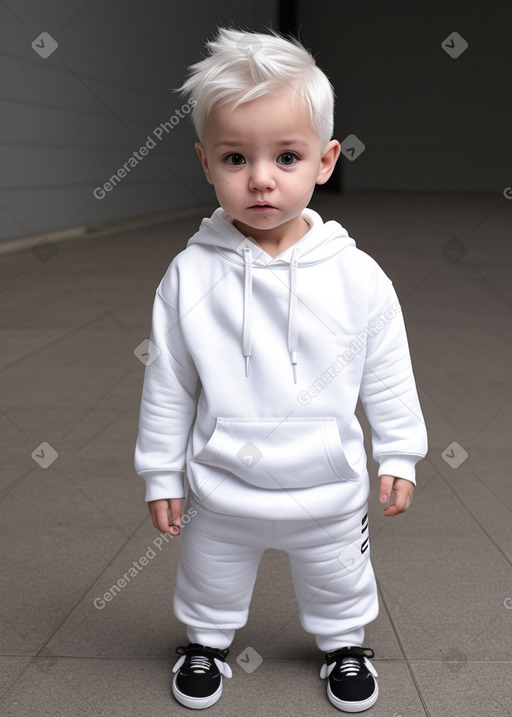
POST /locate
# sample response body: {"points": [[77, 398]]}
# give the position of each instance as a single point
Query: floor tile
{"points": [[10, 670], [468, 688], [54, 544], [442, 579]]}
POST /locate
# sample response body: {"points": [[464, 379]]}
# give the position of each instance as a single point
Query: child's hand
{"points": [[159, 511], [399, 491]]}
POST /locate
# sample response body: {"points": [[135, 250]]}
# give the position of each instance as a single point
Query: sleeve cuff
{"points": [[401, 466], [163, 486]]}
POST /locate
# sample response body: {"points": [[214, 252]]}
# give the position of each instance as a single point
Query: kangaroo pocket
{"points": [[279, 453]]}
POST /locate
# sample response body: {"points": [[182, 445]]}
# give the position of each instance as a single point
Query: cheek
{"points": [[300, 181], [226, 191], [227, 183]]}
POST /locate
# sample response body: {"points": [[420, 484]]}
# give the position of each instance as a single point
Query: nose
{"points": [[262, 177]]}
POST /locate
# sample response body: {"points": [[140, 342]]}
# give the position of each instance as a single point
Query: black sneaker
{"points": [[197, 681], [352, 686]]}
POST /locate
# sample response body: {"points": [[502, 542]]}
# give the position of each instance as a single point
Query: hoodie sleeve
{"points": [[388, 390], [168, 406]]}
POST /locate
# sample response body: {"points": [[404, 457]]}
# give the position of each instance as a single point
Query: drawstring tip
{"points": [[294, 360], [247, 359]]}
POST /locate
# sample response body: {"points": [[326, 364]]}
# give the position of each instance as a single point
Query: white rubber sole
{"points": [[353, 706], [196, 703]]}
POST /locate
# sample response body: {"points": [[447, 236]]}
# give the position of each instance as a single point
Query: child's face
{"points": [[264, 160]]}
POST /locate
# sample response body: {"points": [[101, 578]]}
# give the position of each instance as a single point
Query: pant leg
{"points": [[334, 579], [219, 559]]}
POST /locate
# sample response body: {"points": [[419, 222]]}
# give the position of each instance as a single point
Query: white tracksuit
{"points": [[250, 395]]}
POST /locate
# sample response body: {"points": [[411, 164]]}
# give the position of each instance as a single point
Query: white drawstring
{"points": [[293, 331], [247, 325]]}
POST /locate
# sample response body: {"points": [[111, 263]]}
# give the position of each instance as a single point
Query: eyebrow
{"points": [[280, 143], [226, 143]]}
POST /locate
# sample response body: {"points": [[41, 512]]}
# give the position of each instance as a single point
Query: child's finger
{"points": [[158, 510], [386, 486], [400, 498], [392, 510], [176, 508]]}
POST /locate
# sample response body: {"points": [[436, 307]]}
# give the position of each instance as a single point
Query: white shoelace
{"points": [[350, 667], [201, 664]]}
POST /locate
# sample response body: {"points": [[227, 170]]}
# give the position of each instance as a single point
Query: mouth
{"points": [[262, 206]]}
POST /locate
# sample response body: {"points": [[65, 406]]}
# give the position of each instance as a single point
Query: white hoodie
{"points": [[252, 397]]}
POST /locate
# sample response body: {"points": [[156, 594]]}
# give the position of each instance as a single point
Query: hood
{"points": [[322, 242]]}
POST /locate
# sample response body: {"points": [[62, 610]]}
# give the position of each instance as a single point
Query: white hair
{"points": [[242, 66]]}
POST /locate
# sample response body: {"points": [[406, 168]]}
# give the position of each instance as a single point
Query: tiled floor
{"points": [[70, 322]]}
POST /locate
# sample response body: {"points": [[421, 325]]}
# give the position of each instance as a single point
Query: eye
{"points": [[235, 159], [287, 159]]}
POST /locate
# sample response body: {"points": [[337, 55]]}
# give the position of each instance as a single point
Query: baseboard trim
{"points": [[87, 231]]}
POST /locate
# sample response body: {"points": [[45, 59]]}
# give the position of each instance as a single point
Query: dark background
{"points": [[429, 122]]}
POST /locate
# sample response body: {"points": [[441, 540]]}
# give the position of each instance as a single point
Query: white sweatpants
{"points": [[330, 564]]}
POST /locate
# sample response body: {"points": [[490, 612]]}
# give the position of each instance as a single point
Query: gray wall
{"points": [[429, 122], [68, 122]]}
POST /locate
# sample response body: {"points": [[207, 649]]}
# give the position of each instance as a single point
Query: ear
{"points": [[328, 161], [202, 156]]}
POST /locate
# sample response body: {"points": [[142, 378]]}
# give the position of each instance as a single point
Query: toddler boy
{"points": [[270, 325]]}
